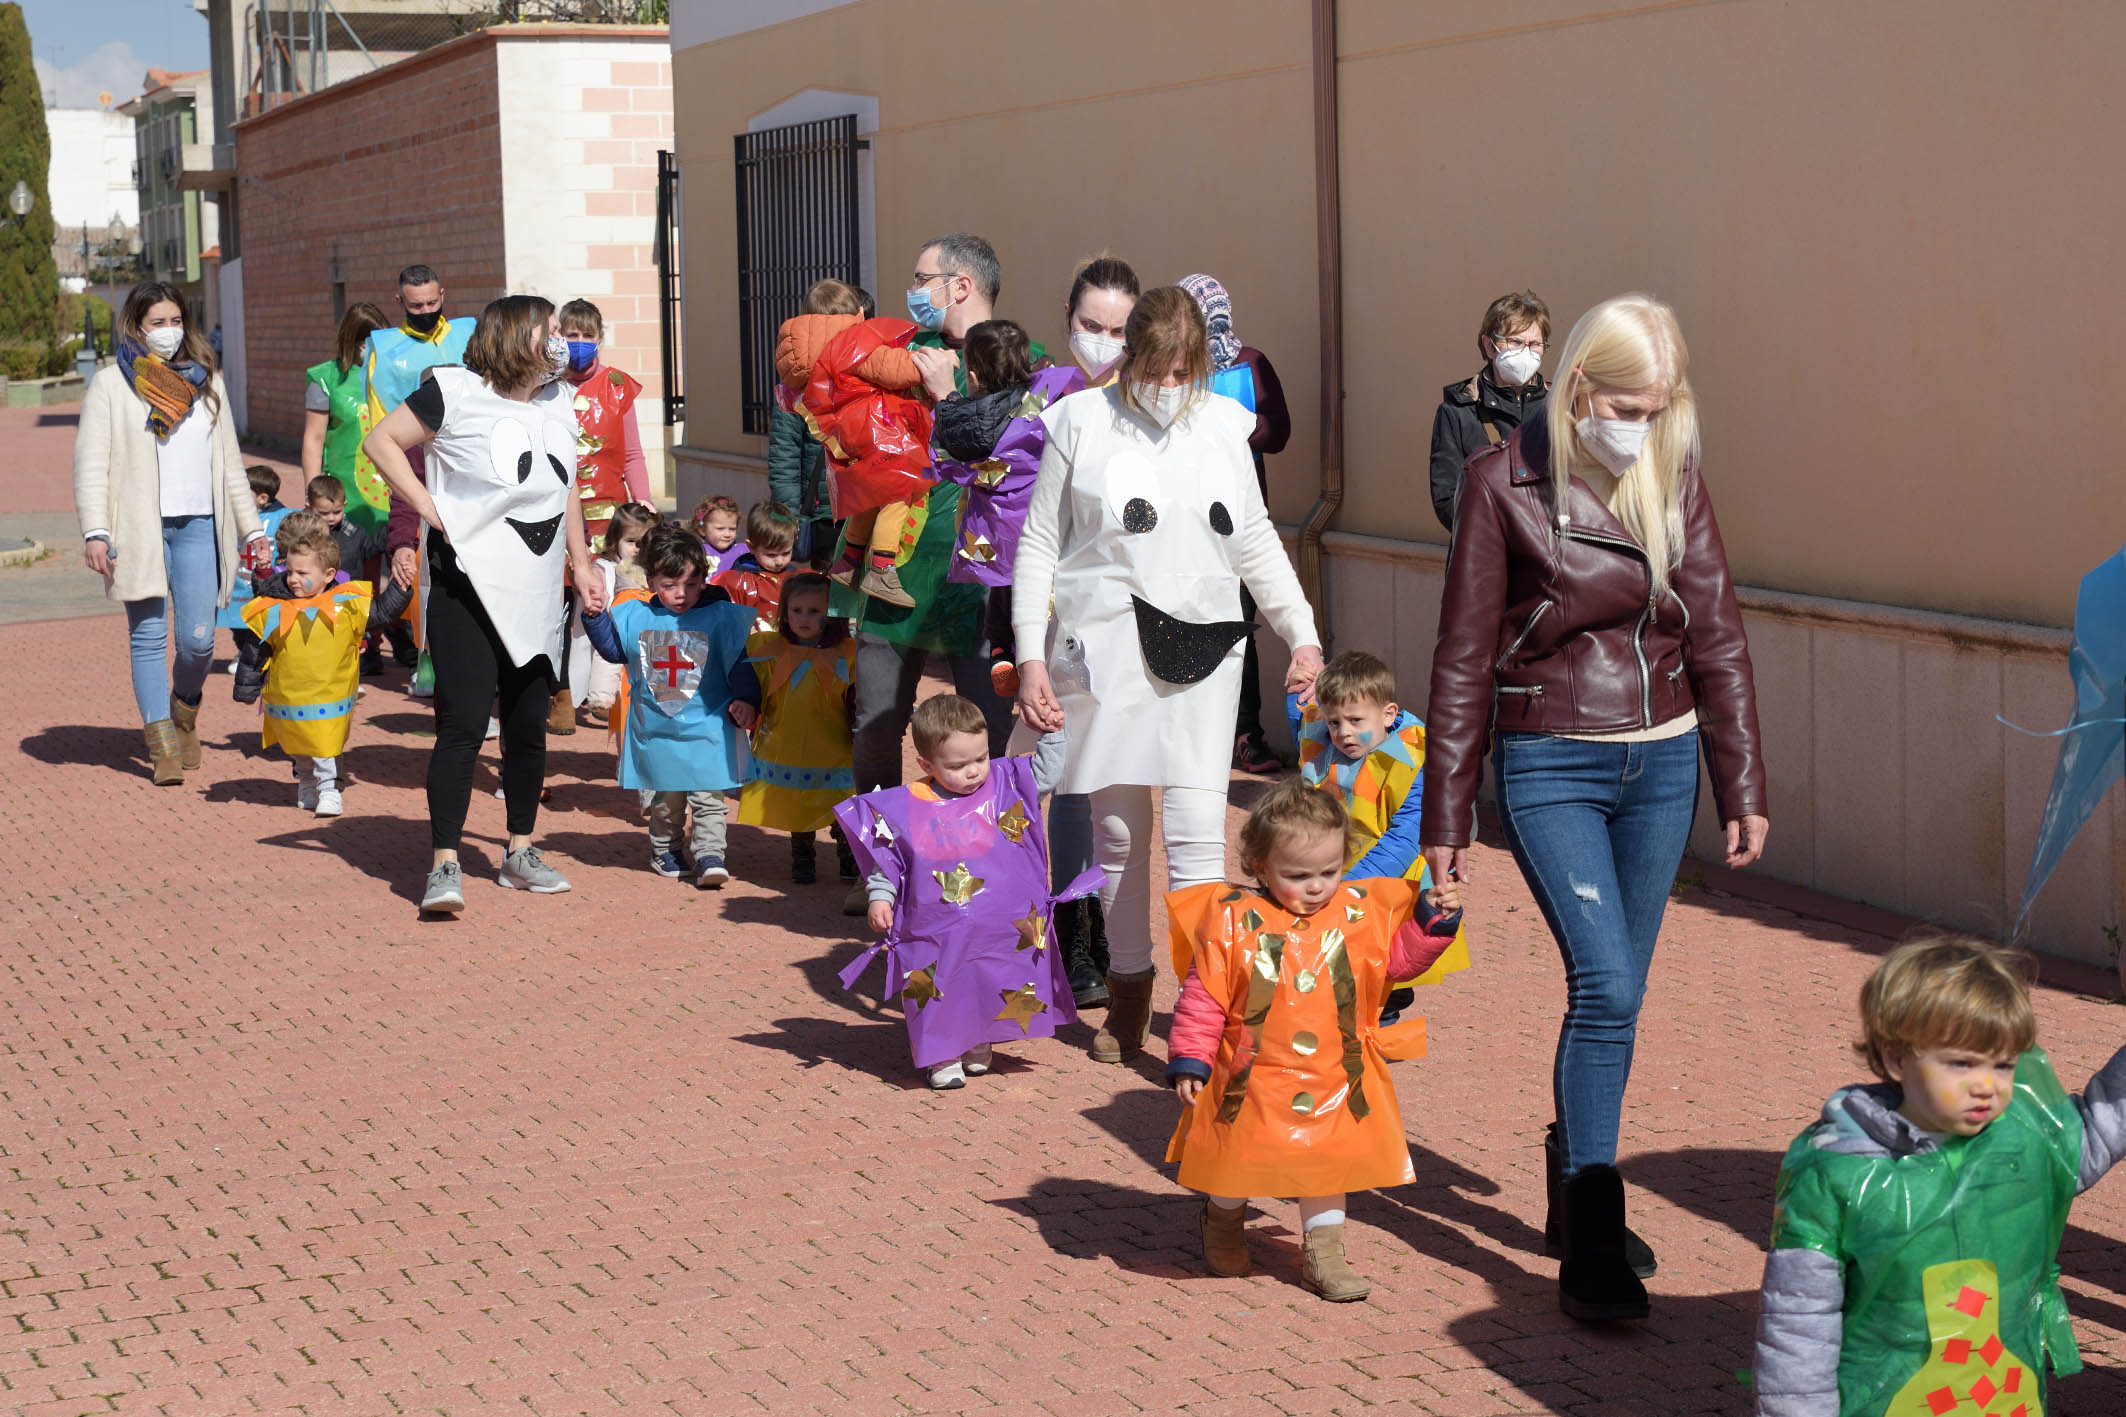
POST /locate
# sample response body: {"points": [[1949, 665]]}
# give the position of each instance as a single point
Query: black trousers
{"points": [[472, 669]]}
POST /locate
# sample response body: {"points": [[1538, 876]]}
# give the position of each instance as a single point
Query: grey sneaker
{"points": [[527, 870], [446, 890]]}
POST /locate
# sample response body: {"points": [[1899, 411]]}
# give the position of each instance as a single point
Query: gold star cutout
{"points": [[1253, 920], [880, 831], [1352, 915], [979, 549], [959, 884], [988, 474], [1357, 892], [1014, 822], [922, 988], [1033, 931], [1020, 1005]]}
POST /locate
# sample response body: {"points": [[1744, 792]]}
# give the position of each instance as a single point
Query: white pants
{"points": [[324, 773], [1192, 821]]}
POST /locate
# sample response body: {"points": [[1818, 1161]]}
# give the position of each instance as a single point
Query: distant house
{"points": [[180, 231]]}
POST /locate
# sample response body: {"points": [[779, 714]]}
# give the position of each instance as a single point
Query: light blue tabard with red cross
{"points": [[678, 738]]}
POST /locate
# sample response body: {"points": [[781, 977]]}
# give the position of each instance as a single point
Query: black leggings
{"points": [[471, 668]]}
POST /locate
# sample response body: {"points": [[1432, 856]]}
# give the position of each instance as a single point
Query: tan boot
{"points": [[1327, 1272], [884, 583], [184, 718], [165, 754], [1129, 1018], [561, 714], [1225, 1240]]}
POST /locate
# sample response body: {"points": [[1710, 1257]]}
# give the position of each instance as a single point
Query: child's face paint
{"points": [[1303, 870], [679, 594], [306, 575], [1358, 727], [1958, 1091]]}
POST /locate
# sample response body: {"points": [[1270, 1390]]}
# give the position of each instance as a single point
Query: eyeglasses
{"points": [[1509, 342], [922, 280]]}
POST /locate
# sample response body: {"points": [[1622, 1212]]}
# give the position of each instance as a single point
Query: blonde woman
{"points": [[1145, 522], [164, 505], [1589, 626]]}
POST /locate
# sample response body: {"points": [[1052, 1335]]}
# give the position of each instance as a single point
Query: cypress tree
{"points": [[29, 278]]}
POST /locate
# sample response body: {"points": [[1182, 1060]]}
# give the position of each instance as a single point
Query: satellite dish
{"points": [[103, 100]]}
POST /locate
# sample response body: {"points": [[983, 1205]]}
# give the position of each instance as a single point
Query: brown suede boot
{"points": [[165, 754], [1129, 1018], [1225, 1240], [1327, 1272], [884, 583], [561, 715], [184, 718]]}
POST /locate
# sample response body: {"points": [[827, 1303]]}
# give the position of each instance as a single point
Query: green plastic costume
{"points": [[947, 617], [368, 497], [1952, 1299]]}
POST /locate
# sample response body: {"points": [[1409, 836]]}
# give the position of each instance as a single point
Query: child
{"points": [[622, 537], [610, 469], [1916, 1231], [801, 747], [755, 577], [684, 646], [868, 389], [266, 496], [1356, 742], [715, 521], [797, 462], [959, 893], [312, 621], [326, 498], [1292, 973]]}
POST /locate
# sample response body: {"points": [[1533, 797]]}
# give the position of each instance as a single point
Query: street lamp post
{"points": [[85, 361], [19, 201]]}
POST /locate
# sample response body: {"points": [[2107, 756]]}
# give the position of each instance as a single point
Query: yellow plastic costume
{"points": [[1387, 783], [314, 676], [802, 744]]}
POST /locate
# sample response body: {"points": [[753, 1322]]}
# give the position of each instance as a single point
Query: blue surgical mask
{"points": [[924, 309], [582, 354]]}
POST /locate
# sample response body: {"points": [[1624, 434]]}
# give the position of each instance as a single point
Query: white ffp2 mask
{"points": [[1615, 442], [165, 340]]}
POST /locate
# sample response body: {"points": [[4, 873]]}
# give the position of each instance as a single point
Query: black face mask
{"points": [[423, 323]]}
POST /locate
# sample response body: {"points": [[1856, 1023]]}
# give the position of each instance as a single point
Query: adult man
{"points": [[954, 288], [1508, 391], [395, 360]]}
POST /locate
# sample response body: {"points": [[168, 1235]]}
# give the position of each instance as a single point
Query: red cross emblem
{"points": [[673, 664]]}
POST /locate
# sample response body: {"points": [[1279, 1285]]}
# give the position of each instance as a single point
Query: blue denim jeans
{"points": [[191, 554], [1598, 830]]}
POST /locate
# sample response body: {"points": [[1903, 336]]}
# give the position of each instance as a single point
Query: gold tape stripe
{"points": [[1338, 963], [1264, 971]]}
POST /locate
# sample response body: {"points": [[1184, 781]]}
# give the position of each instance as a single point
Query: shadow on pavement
{"points": [[59, 420], [879, 1049], [1145, 1232], [88, 745]]}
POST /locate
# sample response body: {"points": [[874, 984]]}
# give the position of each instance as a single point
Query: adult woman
{"points": [[333, 393], [501, 466], [160, 491], [1273, 429], [1145, 523], [1102, 294], [1588, 611]]}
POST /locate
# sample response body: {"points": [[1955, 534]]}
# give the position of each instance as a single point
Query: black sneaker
{"points": [[372, 662], [1398, 1000], [803, 870], [403, 648]]}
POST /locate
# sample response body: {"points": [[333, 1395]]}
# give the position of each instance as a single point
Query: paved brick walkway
{"points": [[272, 1145]]}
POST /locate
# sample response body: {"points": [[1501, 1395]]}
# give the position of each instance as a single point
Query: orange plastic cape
{"points": [[1299, 1102], [616, 716], [877, 439]]}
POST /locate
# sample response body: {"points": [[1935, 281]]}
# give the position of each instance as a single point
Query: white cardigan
{"points": [[117, 487]]}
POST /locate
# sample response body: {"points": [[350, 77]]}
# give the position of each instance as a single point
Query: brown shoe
{"points": [[1225, 1240], [184, 718], [1326, 1271], [884, 583], [843, 572], [858, 900], [1129, 1018], [561, 715], [165, 754]]}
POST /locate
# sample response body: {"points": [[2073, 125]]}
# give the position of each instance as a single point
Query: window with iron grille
{"points": [[797, 224]]}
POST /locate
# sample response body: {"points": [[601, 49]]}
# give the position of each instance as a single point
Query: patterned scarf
{"points": [[1217, 307], [167, 388]]}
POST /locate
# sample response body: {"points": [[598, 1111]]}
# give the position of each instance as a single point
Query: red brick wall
{"points": [[384, 171]]}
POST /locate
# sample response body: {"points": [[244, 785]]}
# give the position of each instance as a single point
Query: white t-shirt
{"points": [[186, 461]]}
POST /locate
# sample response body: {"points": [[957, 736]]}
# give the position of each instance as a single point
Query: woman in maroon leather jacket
{"points": [[1589, 627]]}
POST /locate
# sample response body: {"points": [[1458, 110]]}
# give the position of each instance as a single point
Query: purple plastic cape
{"points": [[1000, 486], [972, 953]]}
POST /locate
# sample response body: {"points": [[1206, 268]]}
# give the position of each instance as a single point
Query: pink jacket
{"points": [[1200, 1020]]}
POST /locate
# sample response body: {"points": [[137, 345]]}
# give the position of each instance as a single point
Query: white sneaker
{"points": [[947, 1076], [328, 802], [306, 795], [494, 726], [420, 691], [976, 1060]]}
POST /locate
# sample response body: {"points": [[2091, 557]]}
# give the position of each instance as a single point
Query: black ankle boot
{"points": [[1096, 935], [1637, 1253], [1595, 1284], [844, 858], [802, 870], [1088, 982]]}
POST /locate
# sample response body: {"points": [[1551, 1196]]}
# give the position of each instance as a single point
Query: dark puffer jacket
{"points": [[1458, 429]]}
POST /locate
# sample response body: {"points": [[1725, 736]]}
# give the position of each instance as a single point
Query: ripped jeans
{"points": [[1598, 830], [191, 560]]}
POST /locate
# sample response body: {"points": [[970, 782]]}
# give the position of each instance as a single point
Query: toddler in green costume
{"points": [[1913, 1270]]}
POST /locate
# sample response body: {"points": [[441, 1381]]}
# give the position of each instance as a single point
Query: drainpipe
{"points": [[1328, 242]]}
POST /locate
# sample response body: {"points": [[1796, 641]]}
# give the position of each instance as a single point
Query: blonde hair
{"points": [[294, 527], [1354, 677], [1165, 325], [1629, 342], [832, 297], [1947, 991], [1292, 808]]}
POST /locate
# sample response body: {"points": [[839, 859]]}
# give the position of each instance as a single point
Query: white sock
{"points": [[1309, 1219]]}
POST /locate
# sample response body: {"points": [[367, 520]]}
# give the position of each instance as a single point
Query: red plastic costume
{"points": [[877, 439], [604, 403]]}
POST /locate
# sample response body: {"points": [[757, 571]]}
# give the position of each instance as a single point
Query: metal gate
{"points": [[797, 224], [670, 285]]}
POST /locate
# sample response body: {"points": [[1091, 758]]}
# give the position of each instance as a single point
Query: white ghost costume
{"points": [[1145, 536], [500, 472]]}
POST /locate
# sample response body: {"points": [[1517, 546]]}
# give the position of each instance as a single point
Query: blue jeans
{"points": [[191, 554], [1598, 830]]}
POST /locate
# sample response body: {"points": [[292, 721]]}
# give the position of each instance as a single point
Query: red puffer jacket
{"points": [[1549, 632]]}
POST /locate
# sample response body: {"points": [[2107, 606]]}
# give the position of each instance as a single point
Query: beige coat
{"points": [[118, 487]]}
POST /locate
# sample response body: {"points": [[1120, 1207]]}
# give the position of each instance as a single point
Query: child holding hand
{"points": [[310, 623], [1275, 1054]]}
